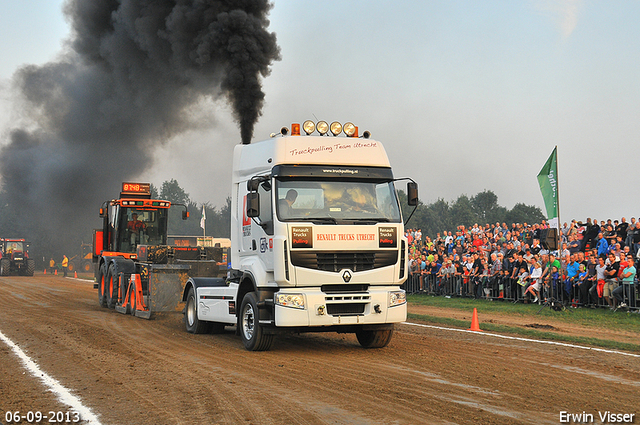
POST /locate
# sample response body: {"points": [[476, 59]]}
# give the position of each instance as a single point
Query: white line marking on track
{"points": [[524, 339], [63, 394]]}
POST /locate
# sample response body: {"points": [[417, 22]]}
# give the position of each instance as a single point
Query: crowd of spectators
{"points": [[593, 266]]}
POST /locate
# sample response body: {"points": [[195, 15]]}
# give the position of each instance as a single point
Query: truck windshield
{"points": [[333, 200], [141, 227], [14, 246]]}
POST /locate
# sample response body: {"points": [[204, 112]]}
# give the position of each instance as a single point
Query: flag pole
{"points": [[203, 223], [559, 235], [549, 186]]}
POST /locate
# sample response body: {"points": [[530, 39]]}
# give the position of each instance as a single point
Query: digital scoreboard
{"points": [[135, 189]]}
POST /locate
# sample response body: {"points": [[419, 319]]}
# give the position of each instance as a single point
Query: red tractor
{"points": [[14, 258]]}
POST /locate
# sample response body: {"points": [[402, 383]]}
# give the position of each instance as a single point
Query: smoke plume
{"points": [[123, 85]]}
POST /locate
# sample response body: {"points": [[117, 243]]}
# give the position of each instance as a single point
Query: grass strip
{"points": [[594, 318], [529, 333]]}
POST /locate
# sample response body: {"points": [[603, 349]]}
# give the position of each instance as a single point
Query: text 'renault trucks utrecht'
{"points": [[317, 241], [136, 271], [14, 258]]}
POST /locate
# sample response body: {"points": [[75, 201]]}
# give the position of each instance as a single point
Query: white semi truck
{"points": [[317, 241]]}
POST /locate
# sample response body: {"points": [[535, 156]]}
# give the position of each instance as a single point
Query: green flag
{"points": [[548, 180]]}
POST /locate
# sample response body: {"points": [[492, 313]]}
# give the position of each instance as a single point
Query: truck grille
{"points": [[345, 309], [342, 288], [338, 260]]}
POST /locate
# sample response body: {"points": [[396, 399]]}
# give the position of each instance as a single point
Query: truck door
{"points": [[257, 234], [265, 229], [245, 234]]}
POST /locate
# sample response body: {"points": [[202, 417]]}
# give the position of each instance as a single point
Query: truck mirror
{"points": [[253, 204], [185, 215], [101, 212], [412, 193], [252, 185]]}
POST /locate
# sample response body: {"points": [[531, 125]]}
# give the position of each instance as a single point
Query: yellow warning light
{"points": [[295, 129]]}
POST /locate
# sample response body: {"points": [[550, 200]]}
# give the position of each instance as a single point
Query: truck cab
{"points": [[317, 240], [133, 219]]}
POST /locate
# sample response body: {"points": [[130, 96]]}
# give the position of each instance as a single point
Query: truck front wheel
{"points": [[252, 333], [191, 321], [31, 267], [374, 339], [102, 297], [112, 286], [5, 265]]}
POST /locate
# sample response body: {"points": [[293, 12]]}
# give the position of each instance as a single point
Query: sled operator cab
{"points": [[132, 220]]}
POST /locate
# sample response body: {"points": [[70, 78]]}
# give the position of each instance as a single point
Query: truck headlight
{"points": [[397, 298], [290, 300]]}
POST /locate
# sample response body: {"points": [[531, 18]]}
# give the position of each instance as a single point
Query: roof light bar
{"points": [[349, 129]]}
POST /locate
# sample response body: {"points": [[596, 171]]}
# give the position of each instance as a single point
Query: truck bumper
{"points": [[322, 309]]}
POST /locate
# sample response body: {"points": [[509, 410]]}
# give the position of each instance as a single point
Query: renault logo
{"points": [[346, 276]]}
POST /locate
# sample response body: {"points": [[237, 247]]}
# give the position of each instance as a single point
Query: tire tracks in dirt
{"points": [[130, 370]]}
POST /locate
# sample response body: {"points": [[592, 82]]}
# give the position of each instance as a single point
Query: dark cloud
{"points": [[123, 86]]}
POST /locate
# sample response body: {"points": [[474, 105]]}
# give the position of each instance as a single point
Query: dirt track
{"points": [[132, 371]]}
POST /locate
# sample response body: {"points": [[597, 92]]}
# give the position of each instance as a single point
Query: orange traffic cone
{"points": [[475, 326], [75, 274], [56, 273], [45, 270]]}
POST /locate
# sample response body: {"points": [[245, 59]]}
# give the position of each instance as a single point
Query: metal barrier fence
{"points": [[508, 289]]}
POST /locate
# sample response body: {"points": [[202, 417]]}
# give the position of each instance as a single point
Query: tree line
{"points": [[432, 218], [482, 208], [218, 220]]}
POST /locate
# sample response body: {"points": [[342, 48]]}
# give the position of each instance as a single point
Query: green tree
{"points": [[485, 205], [462, 212], [154, 191], [440, 217], [482, 208], [221, 227], [217, 223], [521, 213], [171, 191]]}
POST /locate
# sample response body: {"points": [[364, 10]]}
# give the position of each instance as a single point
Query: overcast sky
{"points": [[465, 95]]}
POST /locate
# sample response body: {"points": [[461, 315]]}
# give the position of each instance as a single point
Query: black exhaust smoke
{"points": [[124, 85]]}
